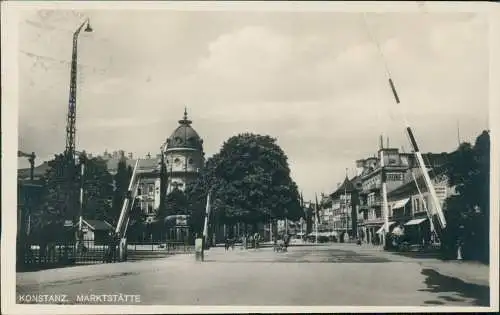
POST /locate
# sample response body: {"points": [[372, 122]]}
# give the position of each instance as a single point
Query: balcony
{"points": [[377, 202], [371, 188], [363, 207]]}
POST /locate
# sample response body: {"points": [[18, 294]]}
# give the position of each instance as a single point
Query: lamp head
{"points": [[88, 29]]}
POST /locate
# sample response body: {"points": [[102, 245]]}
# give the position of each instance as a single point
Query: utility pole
{"points": [[24, 212], [163, 179], [345, 206], [385, 208], [80, 214]]}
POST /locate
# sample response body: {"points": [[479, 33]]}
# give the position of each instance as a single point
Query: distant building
{"points": [[148, 192], [184, 155], [345, 202], [38, 172], [396, 166], [96, 232]]}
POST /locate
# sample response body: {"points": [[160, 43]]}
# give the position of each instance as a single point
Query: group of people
{"points": [[247, 241], [253, 241], [281, 243]]}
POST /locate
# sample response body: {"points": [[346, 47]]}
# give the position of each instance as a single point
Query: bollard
{"points": [[459, 252], [198, 248]]}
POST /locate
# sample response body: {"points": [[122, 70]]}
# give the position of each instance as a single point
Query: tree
{"points": [[175, 204], [467, 213], [250, 182], [98, 191], [59, 200]]}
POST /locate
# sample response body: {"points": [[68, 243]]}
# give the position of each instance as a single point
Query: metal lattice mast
{"points": [[71, 119]]}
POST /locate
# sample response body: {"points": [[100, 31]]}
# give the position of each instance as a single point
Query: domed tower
{"points": [[184, 155]]}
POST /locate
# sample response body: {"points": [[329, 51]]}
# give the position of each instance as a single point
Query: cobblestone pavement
{"points": [[338, 274]]}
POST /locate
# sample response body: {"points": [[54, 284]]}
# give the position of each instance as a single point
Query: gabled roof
{"points": [[98, 225], [347, 186]]}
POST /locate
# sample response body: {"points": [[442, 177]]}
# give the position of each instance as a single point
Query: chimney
{"points": [[130, 155]]}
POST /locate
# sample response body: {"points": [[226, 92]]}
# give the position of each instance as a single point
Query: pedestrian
{"points": [[243, 242]]}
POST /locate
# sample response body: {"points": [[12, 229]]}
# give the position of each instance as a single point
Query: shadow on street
{"points": [[439, 284]]}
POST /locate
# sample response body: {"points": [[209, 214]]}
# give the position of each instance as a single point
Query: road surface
{"points": [[333, 275]]}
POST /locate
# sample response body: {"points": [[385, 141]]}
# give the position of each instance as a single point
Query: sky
{"points": [[313, 80]]}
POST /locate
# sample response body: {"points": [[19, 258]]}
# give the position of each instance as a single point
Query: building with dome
{"points": [[184, 156]]}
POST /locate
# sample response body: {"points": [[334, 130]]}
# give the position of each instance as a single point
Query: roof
{"points": [[38, 171], [184, 136], [144, 164], [99, 225], [347, 186]]}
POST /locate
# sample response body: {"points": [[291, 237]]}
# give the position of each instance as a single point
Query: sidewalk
{"points": [[97, 271], [467, 271]]}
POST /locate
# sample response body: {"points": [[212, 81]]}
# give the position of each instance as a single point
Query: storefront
{"points": [[418, 231]]}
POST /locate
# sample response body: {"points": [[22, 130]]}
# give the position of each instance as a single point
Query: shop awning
{"points": [[382, 227], [400, 203], [415, 221]]}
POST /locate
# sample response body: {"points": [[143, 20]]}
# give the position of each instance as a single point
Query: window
{"points": [[150, 208]]}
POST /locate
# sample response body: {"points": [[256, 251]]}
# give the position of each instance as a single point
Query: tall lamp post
{"points": [[71, 119]]}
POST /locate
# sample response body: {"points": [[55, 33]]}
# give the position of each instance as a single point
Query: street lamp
{"points": [[71, 129], [71, 122]]}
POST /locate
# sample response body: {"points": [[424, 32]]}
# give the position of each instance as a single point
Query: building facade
{"points": [[184, 155], [410, 203], [399, 169], [345, 207], [184, 159], [370, 195]]}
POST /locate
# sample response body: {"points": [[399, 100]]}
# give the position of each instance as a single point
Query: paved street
{"points": [[339, 274]]}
